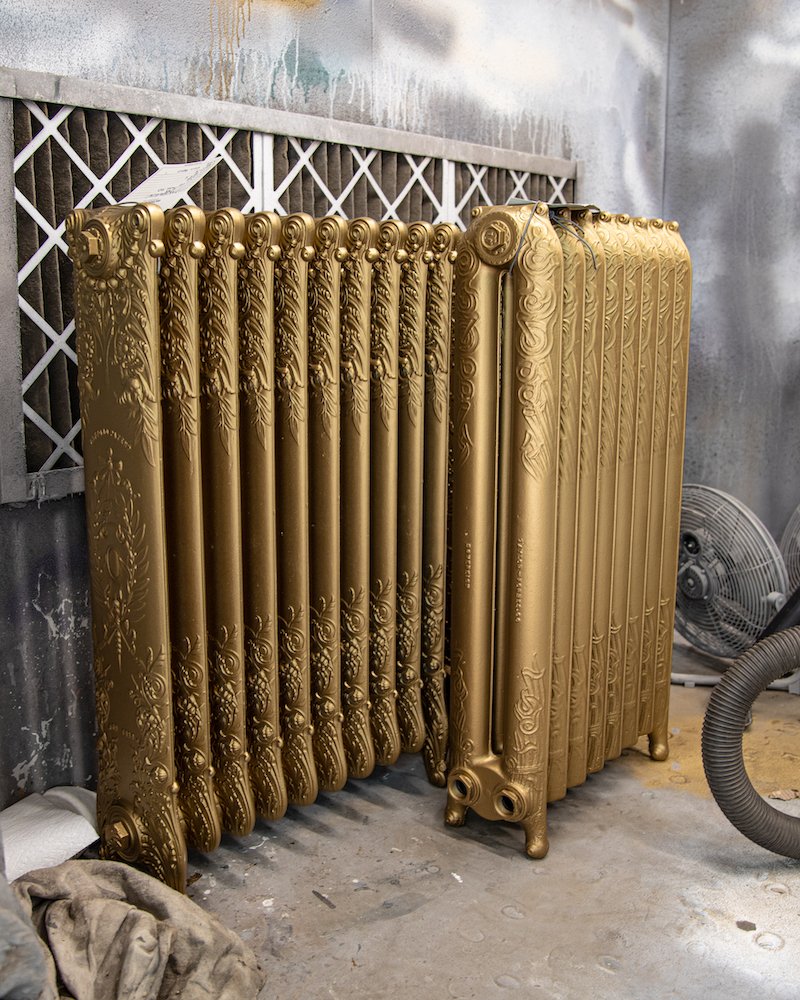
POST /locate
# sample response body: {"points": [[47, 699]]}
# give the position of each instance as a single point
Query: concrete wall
{"points": [[46, 690], [733, 145], [577, 78]]}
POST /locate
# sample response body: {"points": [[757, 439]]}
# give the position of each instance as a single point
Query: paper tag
{"points": [[170, 182]]}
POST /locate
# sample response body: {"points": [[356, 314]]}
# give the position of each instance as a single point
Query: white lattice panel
{"points": [[283, 174]]}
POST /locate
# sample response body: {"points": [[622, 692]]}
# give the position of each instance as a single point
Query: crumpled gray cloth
{"points": [[109, 932], [23, 973]]}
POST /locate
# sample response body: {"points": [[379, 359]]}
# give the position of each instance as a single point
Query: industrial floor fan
{"points": [[731, 574]]}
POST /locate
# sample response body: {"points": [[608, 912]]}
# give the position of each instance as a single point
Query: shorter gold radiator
{"points": [[295, 519], [568, 401]]}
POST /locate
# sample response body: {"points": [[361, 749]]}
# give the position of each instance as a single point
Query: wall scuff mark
{"points": [[47, 708], [229, 19]]}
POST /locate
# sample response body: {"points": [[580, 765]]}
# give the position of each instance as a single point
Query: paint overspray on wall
{"points": [[228, 22], [733, 143]]}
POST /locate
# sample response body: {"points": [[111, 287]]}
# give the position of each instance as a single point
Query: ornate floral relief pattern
{"points": [[650, 295], [663, 345], [257, 321], [593, 318], [663, 661], [648, 668], [559, 703], [526, 748], [263, 719], [162, 847], [179, 319], [411, 364], [356, 286], [597, 680], [384, 326], [383, 695], [462, 748], [571, 355], [107, 733], [117, 316], [227, 729], [465, 348], [92, 303], [120, 558], [615, 274], [634, 668], [614, 684], [323, 322], [92, 316], [680, 345], [113, 253], [438, 319], [218, 327], [355, 683], [434, 750], [631, 329], [192, 742], [409, 707], [537, 323], [298, 763], [134, 347], [578, 697], [325, 650], [291, 325]]}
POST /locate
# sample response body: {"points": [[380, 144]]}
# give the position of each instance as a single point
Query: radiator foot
{"points": [[455, 813], [659, 744], [435, 766], [536, 843]]}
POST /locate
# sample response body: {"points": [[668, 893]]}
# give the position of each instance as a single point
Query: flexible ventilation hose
{"points": [[723, 727]]}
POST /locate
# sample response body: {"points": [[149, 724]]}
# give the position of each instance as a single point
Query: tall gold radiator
{"points": [[272, 446]]}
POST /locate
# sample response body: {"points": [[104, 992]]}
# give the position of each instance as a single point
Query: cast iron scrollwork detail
{"points": [[383, 694], [232, 776], [266, 766], [328, 745], [323, 315], [355, 686], [385, 309], [291, 318], [298, 757], [434, 749], [114, 251], [179, 320], [218, 361], [256, 321]]}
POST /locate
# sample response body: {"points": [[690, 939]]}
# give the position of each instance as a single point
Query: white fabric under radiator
{"points": [[41, 831]]}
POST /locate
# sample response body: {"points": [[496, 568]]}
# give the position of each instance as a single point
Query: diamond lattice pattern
{"points": [[74, 157]]}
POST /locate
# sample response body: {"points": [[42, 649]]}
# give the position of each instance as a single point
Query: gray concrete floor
{"points": [[647, 891]]}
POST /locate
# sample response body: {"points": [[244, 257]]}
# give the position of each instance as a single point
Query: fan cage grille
{"points": [[731, 574]]}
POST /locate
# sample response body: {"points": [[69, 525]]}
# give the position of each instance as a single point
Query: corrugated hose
{"points": [[724, 724]]}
